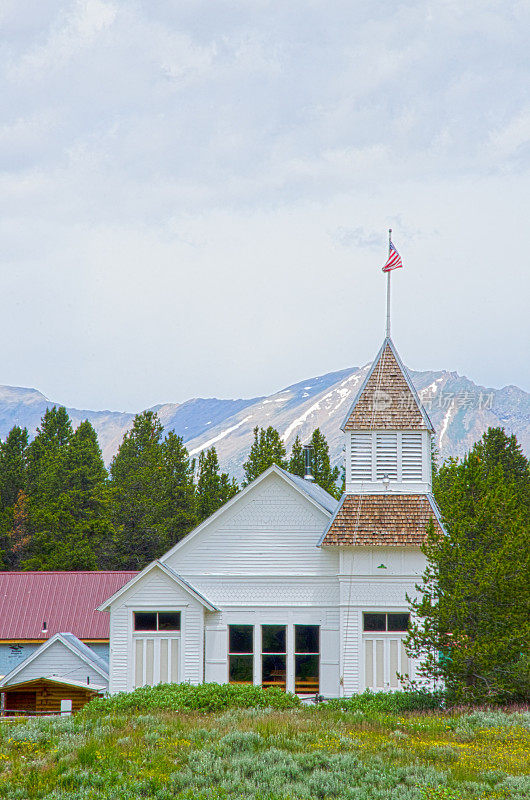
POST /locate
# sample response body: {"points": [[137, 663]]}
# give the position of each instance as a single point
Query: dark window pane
{"points": [[240, 669], [306, 639], [169, 620], [398, 622], [273, 639], [375, 622], [241, 638], [306, 674], [145, 620], [273, 671]]}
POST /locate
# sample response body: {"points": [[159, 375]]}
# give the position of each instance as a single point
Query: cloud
{"points": [[193, 176]]}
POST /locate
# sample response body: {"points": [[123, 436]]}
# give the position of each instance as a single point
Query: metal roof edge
{"points": [[306, 494], [170, 573], [332, 520], [363, 386], [411, 386]]}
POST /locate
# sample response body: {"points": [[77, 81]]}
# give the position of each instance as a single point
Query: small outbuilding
{"points": [[51, 695], [63, 669]]}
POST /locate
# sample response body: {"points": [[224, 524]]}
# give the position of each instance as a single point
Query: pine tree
{"points": [[214, 488], [137, 486], [178, 500], [472, 615], [19, 536], [326, 476], [267, 449], [72, 528], [46, 452], [296, 464], [13, 466]]}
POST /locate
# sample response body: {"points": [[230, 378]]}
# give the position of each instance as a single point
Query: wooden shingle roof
{"points": [[387, 400], [382, 520]]}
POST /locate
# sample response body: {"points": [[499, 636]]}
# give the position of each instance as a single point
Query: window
{"points": [[306, 659], [274, 655], [241, 653], [393, 623], [157, 621]]}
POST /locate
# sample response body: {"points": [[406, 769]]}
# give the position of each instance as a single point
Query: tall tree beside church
{"points": [[296, 465], [473, 605], [71, 529], [214, 488], [137, 486], [267, 449], [177, 499], [324, 474]]}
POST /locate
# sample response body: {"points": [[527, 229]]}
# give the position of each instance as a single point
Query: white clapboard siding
{"points": [[361, 456], [155, 592], [273, 531], [61, 661], [411, 456], [386, 456], [349, 650]]}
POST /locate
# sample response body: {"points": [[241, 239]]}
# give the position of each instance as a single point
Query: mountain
{"points": [[460, 411]]}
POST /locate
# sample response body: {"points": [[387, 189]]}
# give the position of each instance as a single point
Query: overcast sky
{"points": [[195, 196]]}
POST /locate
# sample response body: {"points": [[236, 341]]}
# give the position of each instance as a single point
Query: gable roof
{"points": [[92, 688], [179, 580], [382, 520], [66, 601], [387, 398], [312, 490], [73, 644], [317, 496]]}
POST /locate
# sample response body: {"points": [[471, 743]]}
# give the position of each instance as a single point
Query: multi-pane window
{"points": [[379, 622], [241, 653], [306, 658], [157, 621], [274, 655]]}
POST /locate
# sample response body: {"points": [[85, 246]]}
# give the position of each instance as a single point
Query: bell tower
{"points": [[388, 433]]}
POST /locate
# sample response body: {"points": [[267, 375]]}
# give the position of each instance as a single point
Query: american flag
{"points": [[394, 259]]}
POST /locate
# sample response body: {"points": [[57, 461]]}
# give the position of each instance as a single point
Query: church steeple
{"points": [[388, 498]]}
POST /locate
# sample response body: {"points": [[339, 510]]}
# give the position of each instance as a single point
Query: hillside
{"points": [[460, 411]]}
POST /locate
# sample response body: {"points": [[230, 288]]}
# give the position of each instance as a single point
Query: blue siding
{"points": [[12, 654]]}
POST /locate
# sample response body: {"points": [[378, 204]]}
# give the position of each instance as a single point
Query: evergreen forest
{"points": [[61, 509]]}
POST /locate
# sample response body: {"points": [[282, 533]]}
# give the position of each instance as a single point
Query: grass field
{"points": [[273, 754]]}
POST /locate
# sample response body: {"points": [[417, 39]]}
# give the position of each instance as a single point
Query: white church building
{"points": [[286, 586]]}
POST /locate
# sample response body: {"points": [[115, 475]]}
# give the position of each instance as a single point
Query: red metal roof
{"points": [[66, 601]]}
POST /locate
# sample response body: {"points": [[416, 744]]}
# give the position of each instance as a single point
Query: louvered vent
{"points": [[386, 456], [361, 457], [411, 456]]}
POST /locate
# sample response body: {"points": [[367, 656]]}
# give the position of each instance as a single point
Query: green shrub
{"points": [[184, 697], [390, 702]]}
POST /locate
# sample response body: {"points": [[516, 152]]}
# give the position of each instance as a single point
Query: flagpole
{"points": [[388, 289]]}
